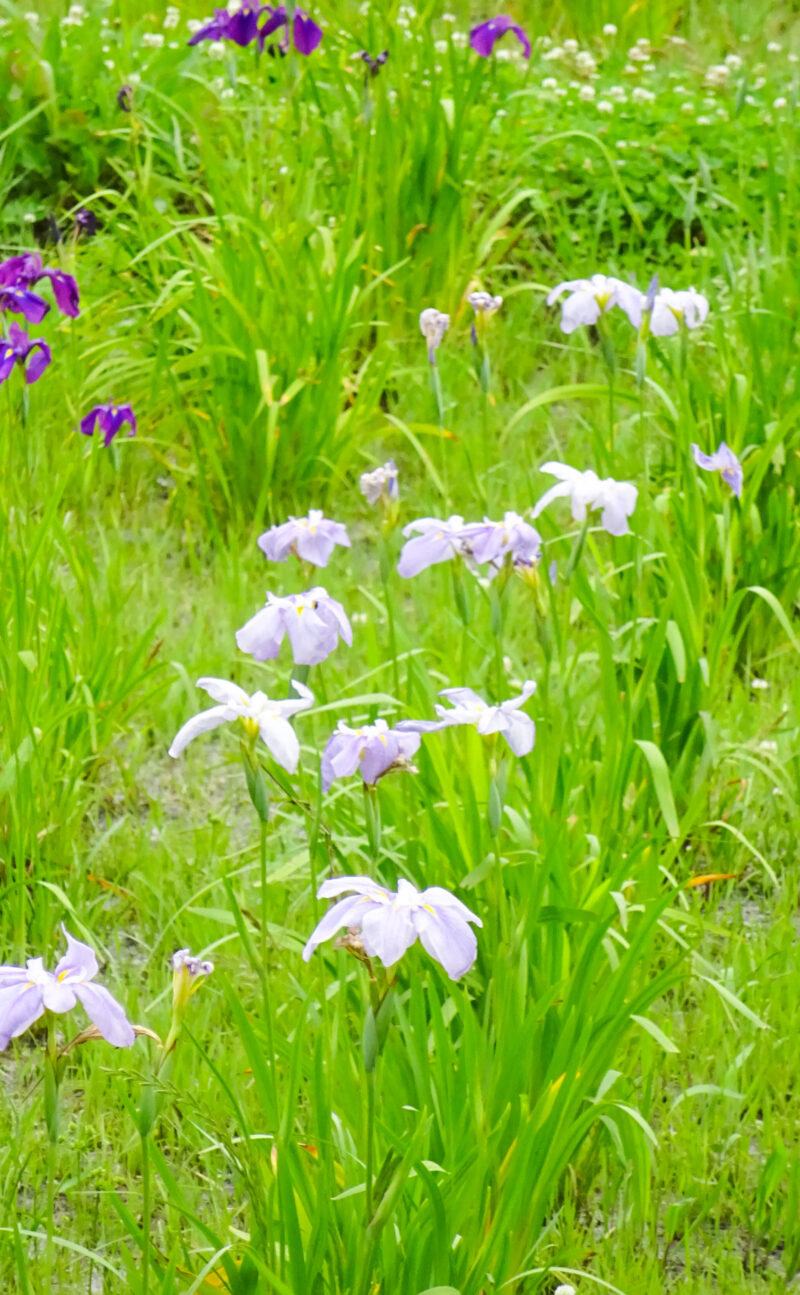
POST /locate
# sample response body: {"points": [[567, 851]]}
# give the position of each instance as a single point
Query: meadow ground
{"points": [[607, 1098]]}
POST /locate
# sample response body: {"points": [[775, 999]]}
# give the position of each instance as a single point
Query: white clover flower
{"points": [[459, 39], [704, 121], [554, 53], [750, 101], [791, 58], [571, 46], [227, 94], [759, 83], [637, 55], [687, 107], [193, 25], [108, 63], [780, 102], [618, 93], [760, 685], [605, 106], [733, 61], [585, 60], [153, 40], [586, 92], [441, 46], [640, 95], [549, 83], [609, 29], [773, 47], [31, 18]]}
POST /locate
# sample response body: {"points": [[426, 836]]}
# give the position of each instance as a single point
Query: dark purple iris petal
{"points": [[125, 92], [87, 222], [243, 25], [17, 350], [306, 34], [108, 419], [276, 20], [21, 271], [214, 30], [65, 291], [485, 36], [21, 302]]}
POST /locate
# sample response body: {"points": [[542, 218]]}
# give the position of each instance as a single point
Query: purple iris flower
{"points": [[241, 26], [20, 301], [437, 541], [86, 222], [485, 36], [125, 96], [21, 273], [313, 621], [17, 349], [26, 993], [389, 922], [311, 538], [374, 64], [306, 35], [109, 419], [723, 461], [372, 750], [517, 728], [493, 542]]}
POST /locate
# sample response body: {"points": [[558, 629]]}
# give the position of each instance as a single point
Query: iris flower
{"points": [[588, 299], [306, 35], [723, 461], [372, 750], [373, 64], [433, 325], [24, 272], [586, 491], [380, 486], [485, 36], [518, 729], [241, 26], [389, 922], [20, 301], [311, 538], [18, 349], [437, 541], [261, 717], [109, 419], [26, 993], [493, 542], [671, 309], [313, 621]]}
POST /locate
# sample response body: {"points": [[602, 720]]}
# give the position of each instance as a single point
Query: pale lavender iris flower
{"points": [[468, 707], [723, 461], [313, 621], [493, 542], [389, 922], [380, 486], [26, 993], [586, 491], [260, 716], [485, 36], [588, 299], [434, 541], [371, 750], [32, 356], [311, 538], [671, 309]]}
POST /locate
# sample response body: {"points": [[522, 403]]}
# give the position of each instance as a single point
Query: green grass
{"points": [[609, 1096]]}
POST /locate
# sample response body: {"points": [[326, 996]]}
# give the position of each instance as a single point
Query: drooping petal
{"points": [[89, 423], [465, 697], [620, 502], [387, 932], [347, 912], [379, 754], [520, 733], [58, 997], [65, 291], [106, 1013], [202, 723], [581, 308], [311, 638], [223, 691], [361, 885], [20, 1007], [448, 938], [340, 757], [262, 635], [305, 33], [302, 701], [485, 35], [559, 491], [281, 740], [39, 362]]}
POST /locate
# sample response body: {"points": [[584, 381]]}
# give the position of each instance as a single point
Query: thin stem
{"points": [[146, 1213], [263, 858], [370, 1077], [51, 1119]]}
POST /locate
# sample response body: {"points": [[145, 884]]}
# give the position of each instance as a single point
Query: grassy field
{"points": [[608, 1098]]}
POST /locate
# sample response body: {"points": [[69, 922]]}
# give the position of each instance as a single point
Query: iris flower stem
{"points": [[51, 1078], [370, 1078], [263, 959], [146, 1212]]}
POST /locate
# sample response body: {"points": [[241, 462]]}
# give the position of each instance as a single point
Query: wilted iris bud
{"points": [[433, 325], [380, 486], [188, 974], [484, 305], [374, 64], [125, 98]]}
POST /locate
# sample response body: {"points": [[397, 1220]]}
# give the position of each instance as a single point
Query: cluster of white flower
{"points": [[75, 16], [153, 40], [171, 18]]}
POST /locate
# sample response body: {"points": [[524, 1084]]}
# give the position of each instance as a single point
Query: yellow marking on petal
{"points": [[602, 299], [62, 975], [430, 910]]}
